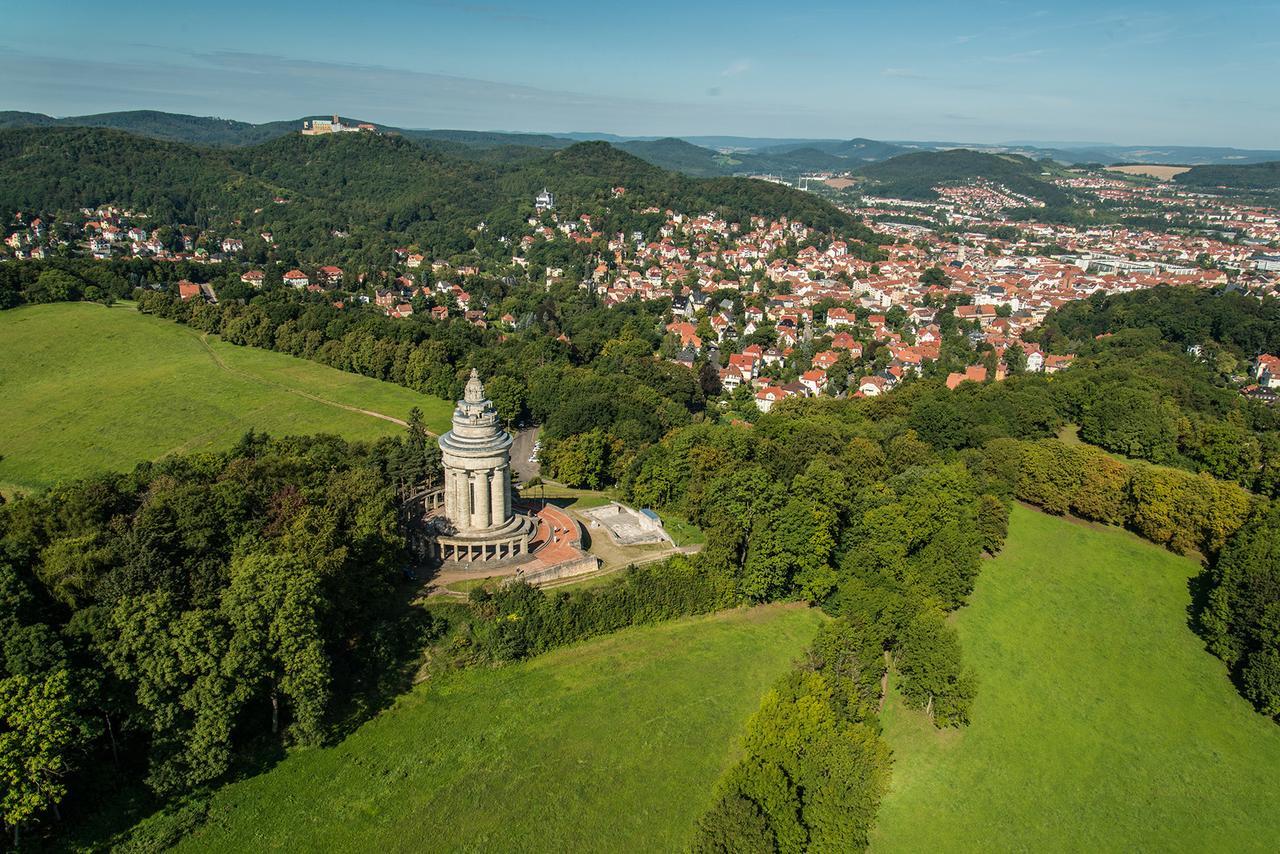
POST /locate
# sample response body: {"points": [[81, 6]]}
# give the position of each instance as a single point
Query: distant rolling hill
{"points": [[680, 156], [490, 139], [860, 149], [1185, 155], [489, 146], [173, 127], [207, 130], [914, 175], [805, 159], [222, 133], [1254, 176]]}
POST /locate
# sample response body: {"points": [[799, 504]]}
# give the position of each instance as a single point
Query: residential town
{"points": [[776, 308]]}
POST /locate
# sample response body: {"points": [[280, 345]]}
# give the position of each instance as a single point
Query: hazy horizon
{"points": [[1143, 74]]}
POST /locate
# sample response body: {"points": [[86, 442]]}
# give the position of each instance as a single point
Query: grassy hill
{"points": [[1101, 724], [914, 175], [609, 745], [1253, 176], [89, 388]]}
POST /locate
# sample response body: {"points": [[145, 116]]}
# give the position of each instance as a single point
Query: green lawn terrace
{"points": [[1100, 724], [89, 388], [614, 744]]}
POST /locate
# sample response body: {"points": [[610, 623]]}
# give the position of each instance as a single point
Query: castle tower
{"points": [[476, 456]]}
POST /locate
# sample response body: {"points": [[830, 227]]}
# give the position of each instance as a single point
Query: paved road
{"points": [[521, 450]]}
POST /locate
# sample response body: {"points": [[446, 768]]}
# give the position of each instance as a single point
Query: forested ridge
{"points": [[1249, 176], [383, 191], [914, 175]]}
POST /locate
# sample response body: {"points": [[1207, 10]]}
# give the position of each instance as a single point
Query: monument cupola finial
{"points": [[475, 389]]}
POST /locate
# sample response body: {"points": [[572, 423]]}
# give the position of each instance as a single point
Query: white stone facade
{"points": [[478, 524]]}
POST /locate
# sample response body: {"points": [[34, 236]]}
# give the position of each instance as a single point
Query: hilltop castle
{"points": [[319, 127]]}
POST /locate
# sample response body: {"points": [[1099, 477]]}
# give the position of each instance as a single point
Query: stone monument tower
{"points": [[479, 525]]}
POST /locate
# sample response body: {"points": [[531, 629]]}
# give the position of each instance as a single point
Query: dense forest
{"points": [[674, 154], [172, 127], [157, 625], [1214, 320]]}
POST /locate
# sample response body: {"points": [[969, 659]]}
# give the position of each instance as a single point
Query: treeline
{"points": [[164, 624], [1248, 176], [66, 281], [517, 620], [1132, 393], [602, 378], [1241, 618], [815, 767], [1186, 512]]}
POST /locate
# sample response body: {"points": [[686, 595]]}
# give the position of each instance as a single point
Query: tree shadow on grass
{"points": [[1198, 586]]}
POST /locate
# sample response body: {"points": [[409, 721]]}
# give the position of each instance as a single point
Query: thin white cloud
{"points": [[902, 73], [1018, 56], [737, 67]]}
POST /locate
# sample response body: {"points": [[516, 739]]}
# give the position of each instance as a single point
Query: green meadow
{"points": [[85, 388], [1101, 724], [614, 744]]}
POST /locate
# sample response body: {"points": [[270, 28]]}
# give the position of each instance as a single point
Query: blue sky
{"points": [[1140, 73]]}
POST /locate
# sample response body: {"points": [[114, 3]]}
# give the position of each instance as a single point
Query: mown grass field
{"points": [[610, 745], [1101, 724], [87, 388]]}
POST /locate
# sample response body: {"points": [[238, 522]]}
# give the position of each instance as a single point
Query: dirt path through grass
{"points": [[203, 338]]}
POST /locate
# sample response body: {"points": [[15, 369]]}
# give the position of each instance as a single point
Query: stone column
{"points": [[506, 492], [484, 509], [496, 501], [451, 496], [462, 519]]}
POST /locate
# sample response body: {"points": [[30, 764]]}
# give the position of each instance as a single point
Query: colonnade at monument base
{"points": [[509, 543]]}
